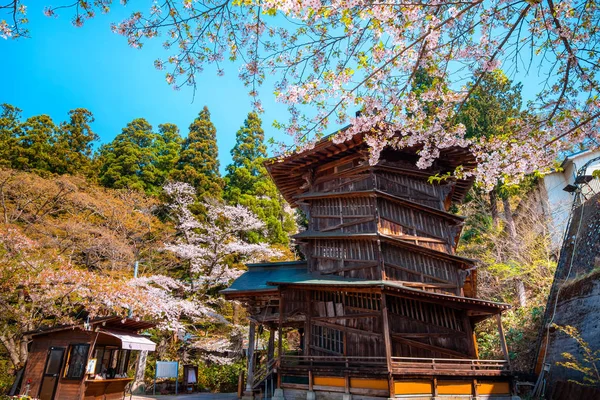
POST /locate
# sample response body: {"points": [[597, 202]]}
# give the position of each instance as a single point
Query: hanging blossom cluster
{"points": [[210, 244], [331, 57]]}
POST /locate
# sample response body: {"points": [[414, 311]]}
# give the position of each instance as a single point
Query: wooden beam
{"points": [[412, 271], [347, 316], [347, 224], [344, 269], [424, 335], [351, 330]]}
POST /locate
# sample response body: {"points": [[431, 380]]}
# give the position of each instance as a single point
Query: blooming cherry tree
{"points": [[330, 57], [35, 293], [210, 244]]}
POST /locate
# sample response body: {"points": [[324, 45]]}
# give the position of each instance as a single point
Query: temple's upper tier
{"points": [[344, 167]]}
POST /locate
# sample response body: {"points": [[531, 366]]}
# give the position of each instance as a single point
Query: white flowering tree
{"points": [[330, 57], [209, 245], [35, 293]]}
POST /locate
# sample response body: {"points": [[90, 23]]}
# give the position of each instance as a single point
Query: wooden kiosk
{"points": [[87, 361], [382, 305]]}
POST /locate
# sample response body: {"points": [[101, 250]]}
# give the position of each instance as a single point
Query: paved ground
{"points": [[194, 396]]}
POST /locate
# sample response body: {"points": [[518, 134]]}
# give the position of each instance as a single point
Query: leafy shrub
{"points": [[220, 378]]}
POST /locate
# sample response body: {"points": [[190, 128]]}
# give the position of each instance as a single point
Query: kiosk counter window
{"points": [[76, 361]]}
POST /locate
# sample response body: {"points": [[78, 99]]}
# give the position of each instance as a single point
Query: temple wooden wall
{"points": [[369, 214], [406, 181], [350, 323], [428, 330], [359, 259]]}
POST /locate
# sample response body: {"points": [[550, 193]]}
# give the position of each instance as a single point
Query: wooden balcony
{"points": [[400, 365], [448, 366]]}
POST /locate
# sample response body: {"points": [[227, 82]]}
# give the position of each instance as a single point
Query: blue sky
{"points": [[62, 67]]}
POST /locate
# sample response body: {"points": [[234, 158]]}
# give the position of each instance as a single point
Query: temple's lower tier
{"points": [[321, 387]]}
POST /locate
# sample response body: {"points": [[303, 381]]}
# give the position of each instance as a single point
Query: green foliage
{"points": [[138, 158], [220, 378], [10, 121], [41, 146], [6, 376], [34, 144], [129, 161], [74, 144], [198, 164], [248, 184], [492, 106]]}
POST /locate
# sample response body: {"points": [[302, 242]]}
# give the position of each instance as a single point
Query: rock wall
{"points": [[577, 285], [582, 243], [578, 306]]}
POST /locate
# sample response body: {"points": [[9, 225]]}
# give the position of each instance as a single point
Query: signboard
{"points": [[167, 369], [91, 366]]}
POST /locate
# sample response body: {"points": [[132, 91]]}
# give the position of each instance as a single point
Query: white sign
{"points": [[167, 369]]}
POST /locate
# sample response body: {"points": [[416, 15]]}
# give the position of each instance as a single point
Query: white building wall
{"points": [[559, 201]]}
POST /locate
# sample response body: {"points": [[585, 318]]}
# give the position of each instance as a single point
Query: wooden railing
{"points": [[441, 365], [332, 361], [263, 372]]}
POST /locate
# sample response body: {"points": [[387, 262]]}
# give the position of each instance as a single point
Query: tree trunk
{"points": [[16, 349], [521, 293], [510, 223], [494, 207]]}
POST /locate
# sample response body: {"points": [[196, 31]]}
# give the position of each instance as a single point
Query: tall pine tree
{"points": [[198, 163], [248, 184]]}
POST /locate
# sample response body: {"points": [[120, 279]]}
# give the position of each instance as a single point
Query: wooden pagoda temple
{"points": [[382, 305]]}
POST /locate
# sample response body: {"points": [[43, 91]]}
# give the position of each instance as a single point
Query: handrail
{"points": [[445, 363], [397, 362], [448, 359], [264, 372]]}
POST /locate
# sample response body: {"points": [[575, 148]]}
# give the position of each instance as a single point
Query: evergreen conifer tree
{"points": [[167, 148], [34, 145], [129, 161], [10, 124], [248, 184], [73, 144], [198, 163]]}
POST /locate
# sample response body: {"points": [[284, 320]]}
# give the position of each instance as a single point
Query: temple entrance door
{"points": [[51, 373]]}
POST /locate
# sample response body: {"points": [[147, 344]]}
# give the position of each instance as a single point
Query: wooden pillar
{"points": [[502, 339], [468, 328], [271, 345], [388, 344], [280, 326], [251, 336], [280, 334], [307, 324]]}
